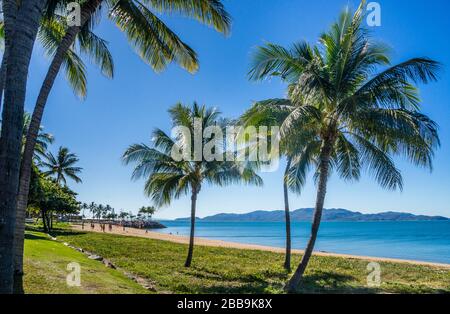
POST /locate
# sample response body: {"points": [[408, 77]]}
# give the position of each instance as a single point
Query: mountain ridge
{"points": [[305, 214]]}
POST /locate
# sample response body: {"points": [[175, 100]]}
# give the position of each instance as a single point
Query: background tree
{"points": [[50, 198], [62, 166], [147, 211], [168, 179], [83, 207]]}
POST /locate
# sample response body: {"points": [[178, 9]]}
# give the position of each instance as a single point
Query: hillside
{"points": [[332, 214]]}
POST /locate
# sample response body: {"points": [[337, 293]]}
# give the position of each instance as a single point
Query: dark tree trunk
{"points": [[9, 14], [287, 259], [191, 235], [49, 222], [3, 74], [44, 221], [324, 165], [25, 170], [26, 25]]}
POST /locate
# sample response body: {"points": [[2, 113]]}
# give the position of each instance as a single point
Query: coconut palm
{"points": [[83, 207], [147, 211], [21, 22], [153, 40], [265, 114], [168, 177], [51, 31], [357, 119], [42, 142], [62, 166]]}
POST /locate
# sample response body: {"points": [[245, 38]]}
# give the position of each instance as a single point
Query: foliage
{"points": [[168, 179], [62, 166], [147, 211], [47, 197], [337, 95]]}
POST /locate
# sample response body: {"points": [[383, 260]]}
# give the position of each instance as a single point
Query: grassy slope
{"points": [[45, 270], [224, 270]]}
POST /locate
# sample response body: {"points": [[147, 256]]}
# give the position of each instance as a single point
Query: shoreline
{"points": [[142, 233]]}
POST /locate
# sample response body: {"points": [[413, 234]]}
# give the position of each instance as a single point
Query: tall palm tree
{"points": [[155, 42], [357, 119], [51, 31], [21, 23], [167, 178], [62, 166], [265, 114]]}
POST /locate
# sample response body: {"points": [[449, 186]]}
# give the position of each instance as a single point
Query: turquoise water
{"points": [[418, 240]]}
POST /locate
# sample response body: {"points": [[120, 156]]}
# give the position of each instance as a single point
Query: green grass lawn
{"points": [[45, 267], [224, 270]]}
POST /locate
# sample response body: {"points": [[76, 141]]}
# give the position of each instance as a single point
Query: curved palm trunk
{"points": [[287, 259], [33, 131], [321, 192], [191, 235], [26, 24]]}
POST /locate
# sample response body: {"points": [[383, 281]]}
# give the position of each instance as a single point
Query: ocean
{"points": [[415, 240]]}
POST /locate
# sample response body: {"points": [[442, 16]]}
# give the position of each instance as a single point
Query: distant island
{"points": [[305, 214]]}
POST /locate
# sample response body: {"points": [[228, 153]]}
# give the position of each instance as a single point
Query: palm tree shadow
{"points": [[332, 282], [244, 283], [29, 236]]}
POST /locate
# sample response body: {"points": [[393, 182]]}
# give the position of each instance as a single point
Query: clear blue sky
{"points": [[124, 110]]}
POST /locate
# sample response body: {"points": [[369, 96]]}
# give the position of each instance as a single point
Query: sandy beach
{"points": [[219, 243]]}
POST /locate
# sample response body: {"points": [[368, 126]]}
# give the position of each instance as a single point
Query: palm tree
{"points": [[92, 209], [83, 207], [62, 166], [43, 140], [51, 31], [147, 211], [167, 178], [154, 41], [21, 22], [355, 118], [265, 113]]}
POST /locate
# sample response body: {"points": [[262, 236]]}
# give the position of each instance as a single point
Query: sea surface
{"points": [[415, 240]]}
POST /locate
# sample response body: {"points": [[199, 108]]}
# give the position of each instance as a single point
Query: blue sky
{"points": [[125, 110]]}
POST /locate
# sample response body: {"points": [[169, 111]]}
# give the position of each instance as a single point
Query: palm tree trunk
{"points": [[44, 221], [320, 198], [191, 235], [26, 25], [287, 259], [33, 131], [9, 16], [3, 73]]}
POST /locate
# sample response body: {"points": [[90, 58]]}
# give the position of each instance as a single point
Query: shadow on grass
{"points": [[29, 236], [323, 282], [332, 282], [55, 231], [202, 272]]}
